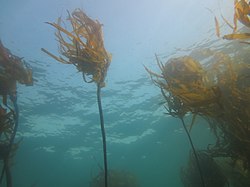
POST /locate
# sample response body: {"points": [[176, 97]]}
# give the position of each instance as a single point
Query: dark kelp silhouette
{"points": [[210, 170], [117, 178], [83, 46], [13, 70]]}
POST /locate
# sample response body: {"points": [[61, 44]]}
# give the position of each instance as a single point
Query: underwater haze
{"points": [[59, 129]]}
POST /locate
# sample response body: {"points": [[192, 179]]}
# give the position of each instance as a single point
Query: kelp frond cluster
{"points": [[242, 15], [13, 68], [82, 45], [218, 89]]}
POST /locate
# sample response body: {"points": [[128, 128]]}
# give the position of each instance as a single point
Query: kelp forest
{"points": [[209, 83]]}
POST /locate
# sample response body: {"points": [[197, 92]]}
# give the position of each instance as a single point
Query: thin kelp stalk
{"points": [[13, 98], [194, 151], [6, 167], [176, 111], [83, 46], [103, 135], [6, 170], [13, 70]]}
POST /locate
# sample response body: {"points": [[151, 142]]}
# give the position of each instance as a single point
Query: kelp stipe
{"points": [[176, 111], [13, 70], [83, 47], [194, 151], [103, 135]]}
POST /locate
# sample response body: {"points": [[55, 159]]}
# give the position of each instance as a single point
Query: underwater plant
{"points": [[83, 46], [217, 89], [13, 70], [176, 94], [241, 14]]}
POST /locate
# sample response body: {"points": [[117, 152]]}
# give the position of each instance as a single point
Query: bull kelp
{"points": [[215, 86], [83, 46], [13, 70]]}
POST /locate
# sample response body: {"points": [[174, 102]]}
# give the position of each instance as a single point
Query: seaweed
{"points": [[13, 69], [241, 14], [83, 46], [216, 89]]}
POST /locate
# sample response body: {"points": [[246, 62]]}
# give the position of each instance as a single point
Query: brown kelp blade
{"points": [[55, 57], [217, 27], [240, 36], [227, 22]]}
